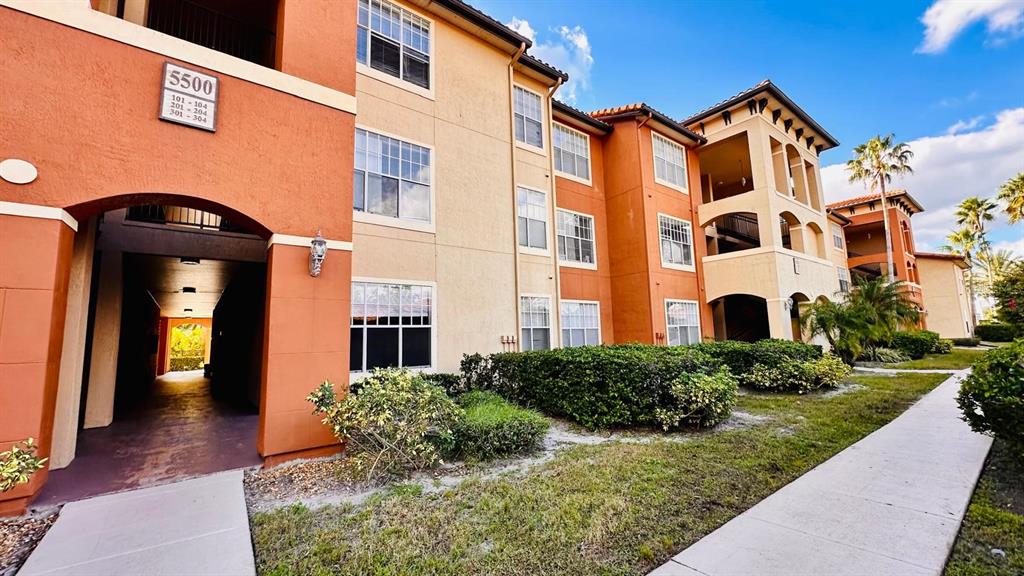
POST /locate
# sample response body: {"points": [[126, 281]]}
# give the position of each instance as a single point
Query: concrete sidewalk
{"points": [[890, 504], [195, 527]]}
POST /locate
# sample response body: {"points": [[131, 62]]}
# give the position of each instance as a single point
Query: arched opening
{"points": [[815, 240], [740, 317], [732, 233], [798, 302], [171, 348], [791, 232], [725, 168], [797, 175]]}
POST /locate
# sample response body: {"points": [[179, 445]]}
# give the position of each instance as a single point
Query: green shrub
{"points": [[18, 464], [596, 386], [700, 400], [741, 357], [915, 343], [995, 332], [971, 342], [798, 376], [396, 421], [829, 371], [883, 355], [453, 384], [495, 428], [943, 346], [182, 363], [992, 396]]}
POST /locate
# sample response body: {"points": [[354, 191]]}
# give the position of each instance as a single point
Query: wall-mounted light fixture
{"points": [[317, 254]]}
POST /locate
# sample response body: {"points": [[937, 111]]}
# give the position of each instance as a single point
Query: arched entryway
{"points": [[797, 303], [740, 317]]}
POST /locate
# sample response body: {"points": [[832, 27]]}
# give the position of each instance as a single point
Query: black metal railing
{"points": [[739, 226], [193, 22], [181, 216]]}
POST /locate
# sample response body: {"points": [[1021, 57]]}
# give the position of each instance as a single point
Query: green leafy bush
{"points": [[798, 376], [495, 428], [396, 421], [995, 332], [451, 383], [829, 371], [883, 355], [915, 343], [1008, 291], [992, 396], [971, 342], [943, 346], [700, 400], [18, 464], [741, 357], [186, 363], [596, 386]]}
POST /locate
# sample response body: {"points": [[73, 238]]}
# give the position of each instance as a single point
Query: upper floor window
{"points": [[532, 208], [844, 279], [575, 237], [669, 162], [676, 242], [682, 321], [581, 323], [837, 236], [392, 177], [528, 118], [394, 41], [535, 322], [572, 151], [391, 326]]}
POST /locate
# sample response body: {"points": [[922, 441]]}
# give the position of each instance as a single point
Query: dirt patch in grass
{"points": [[609, 507], [18, 538]]}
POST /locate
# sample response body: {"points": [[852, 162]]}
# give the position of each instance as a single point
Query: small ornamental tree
{"points": [[992, 396], [18, 464], [1008, 292]]}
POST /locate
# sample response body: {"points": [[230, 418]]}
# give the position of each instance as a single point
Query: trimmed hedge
{"points": [[741, 357], [798, 375], [995, 332], [915, 343], [608, 386], [495, 428], [970, 342], [183, 363], [992, 396], [451, 383]]}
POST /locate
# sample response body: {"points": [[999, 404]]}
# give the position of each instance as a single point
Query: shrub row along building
{"points": [[330, 186]]}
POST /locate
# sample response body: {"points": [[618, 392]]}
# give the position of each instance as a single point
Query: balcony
{"points": [[769, 274]]}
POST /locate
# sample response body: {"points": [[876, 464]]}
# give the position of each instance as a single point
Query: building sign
{"points": [[189, 97]]}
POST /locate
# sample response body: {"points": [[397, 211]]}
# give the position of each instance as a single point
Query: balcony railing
{"points": [[181, 216]]}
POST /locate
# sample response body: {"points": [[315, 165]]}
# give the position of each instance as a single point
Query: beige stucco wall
{"points": [[469, 251], [946, 300]]}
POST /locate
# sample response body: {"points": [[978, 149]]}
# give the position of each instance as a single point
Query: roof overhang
{"points": [[666, 125], [955, 258], [579, 119]]}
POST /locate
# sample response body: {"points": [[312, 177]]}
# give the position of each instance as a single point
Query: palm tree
{"points": [[1012, 194], [993, 266], [886, 305], [972, 213], [964, 242], [875, 163]]}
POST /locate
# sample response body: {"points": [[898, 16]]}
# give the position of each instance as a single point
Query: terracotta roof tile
{"points": [[638, 107], [896, 193]]}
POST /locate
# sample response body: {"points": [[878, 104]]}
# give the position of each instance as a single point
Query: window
{"points": [[392, 178], [572, 151], [394, 41], [676, 242], [669, 162], [535, 322], [682, 320], [581, 323], [837, 236], [575, 237], [844, 279], [528, 118], [391, 326], [532, 206]]}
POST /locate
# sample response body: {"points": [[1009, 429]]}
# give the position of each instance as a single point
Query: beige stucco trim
{"points": [[37, 211], [80, 15], [304, 241]]}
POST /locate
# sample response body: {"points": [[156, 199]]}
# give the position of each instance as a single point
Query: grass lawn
{"points": [[955, 360], [616, 508], [994, 520]]}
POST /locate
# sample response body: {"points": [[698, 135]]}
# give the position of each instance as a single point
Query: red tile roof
{"points": [[960, 260], [856, 200], [641, 108]]}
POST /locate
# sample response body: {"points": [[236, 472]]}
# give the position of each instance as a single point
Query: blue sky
{"points": [[946, 76]]}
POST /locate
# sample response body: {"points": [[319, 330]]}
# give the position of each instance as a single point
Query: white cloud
{"points": [[946, 19], [566, 48], [964, 125], [947, 169], [1015, 246]]}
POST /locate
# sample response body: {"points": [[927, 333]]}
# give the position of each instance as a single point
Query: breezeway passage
{"points": [[890, 504]]}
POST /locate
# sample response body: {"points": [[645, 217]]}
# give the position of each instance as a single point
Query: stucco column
{"points": [[35, 257], [780, 324], [760, 156], [106, 338], [306, 342], [72, 358]]}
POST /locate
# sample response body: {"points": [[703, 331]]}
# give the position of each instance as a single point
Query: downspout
{"points": [[554, 212], [643, 222], [515, 202]]}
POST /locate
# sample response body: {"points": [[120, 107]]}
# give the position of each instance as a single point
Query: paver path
{"points": [[890, 504], [194, 527]]}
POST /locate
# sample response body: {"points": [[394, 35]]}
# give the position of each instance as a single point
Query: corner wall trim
{"points": [[304, 241], [38, 211], [79, 14]]}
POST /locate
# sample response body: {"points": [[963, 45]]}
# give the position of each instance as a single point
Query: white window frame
{"points": [[844, 274], [399, 222], [358, 375], [693, 255], [837, 234], [398, 82], [546, 251], [562, 325], [593, 241], [654, 162], [542, 149], [668, 301], [554, 150], [552, 313]]}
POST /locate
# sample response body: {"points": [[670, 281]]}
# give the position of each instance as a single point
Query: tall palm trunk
{"points": [[890, 266], [970, 287]]}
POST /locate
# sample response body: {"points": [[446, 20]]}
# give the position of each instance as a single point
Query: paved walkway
{"points": [[195, 527], [890, 504]]}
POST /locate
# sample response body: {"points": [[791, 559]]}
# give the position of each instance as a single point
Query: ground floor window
{"points": [[581, 323], [682, 321], [392, 326], [535, 322], [844, 279]]}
